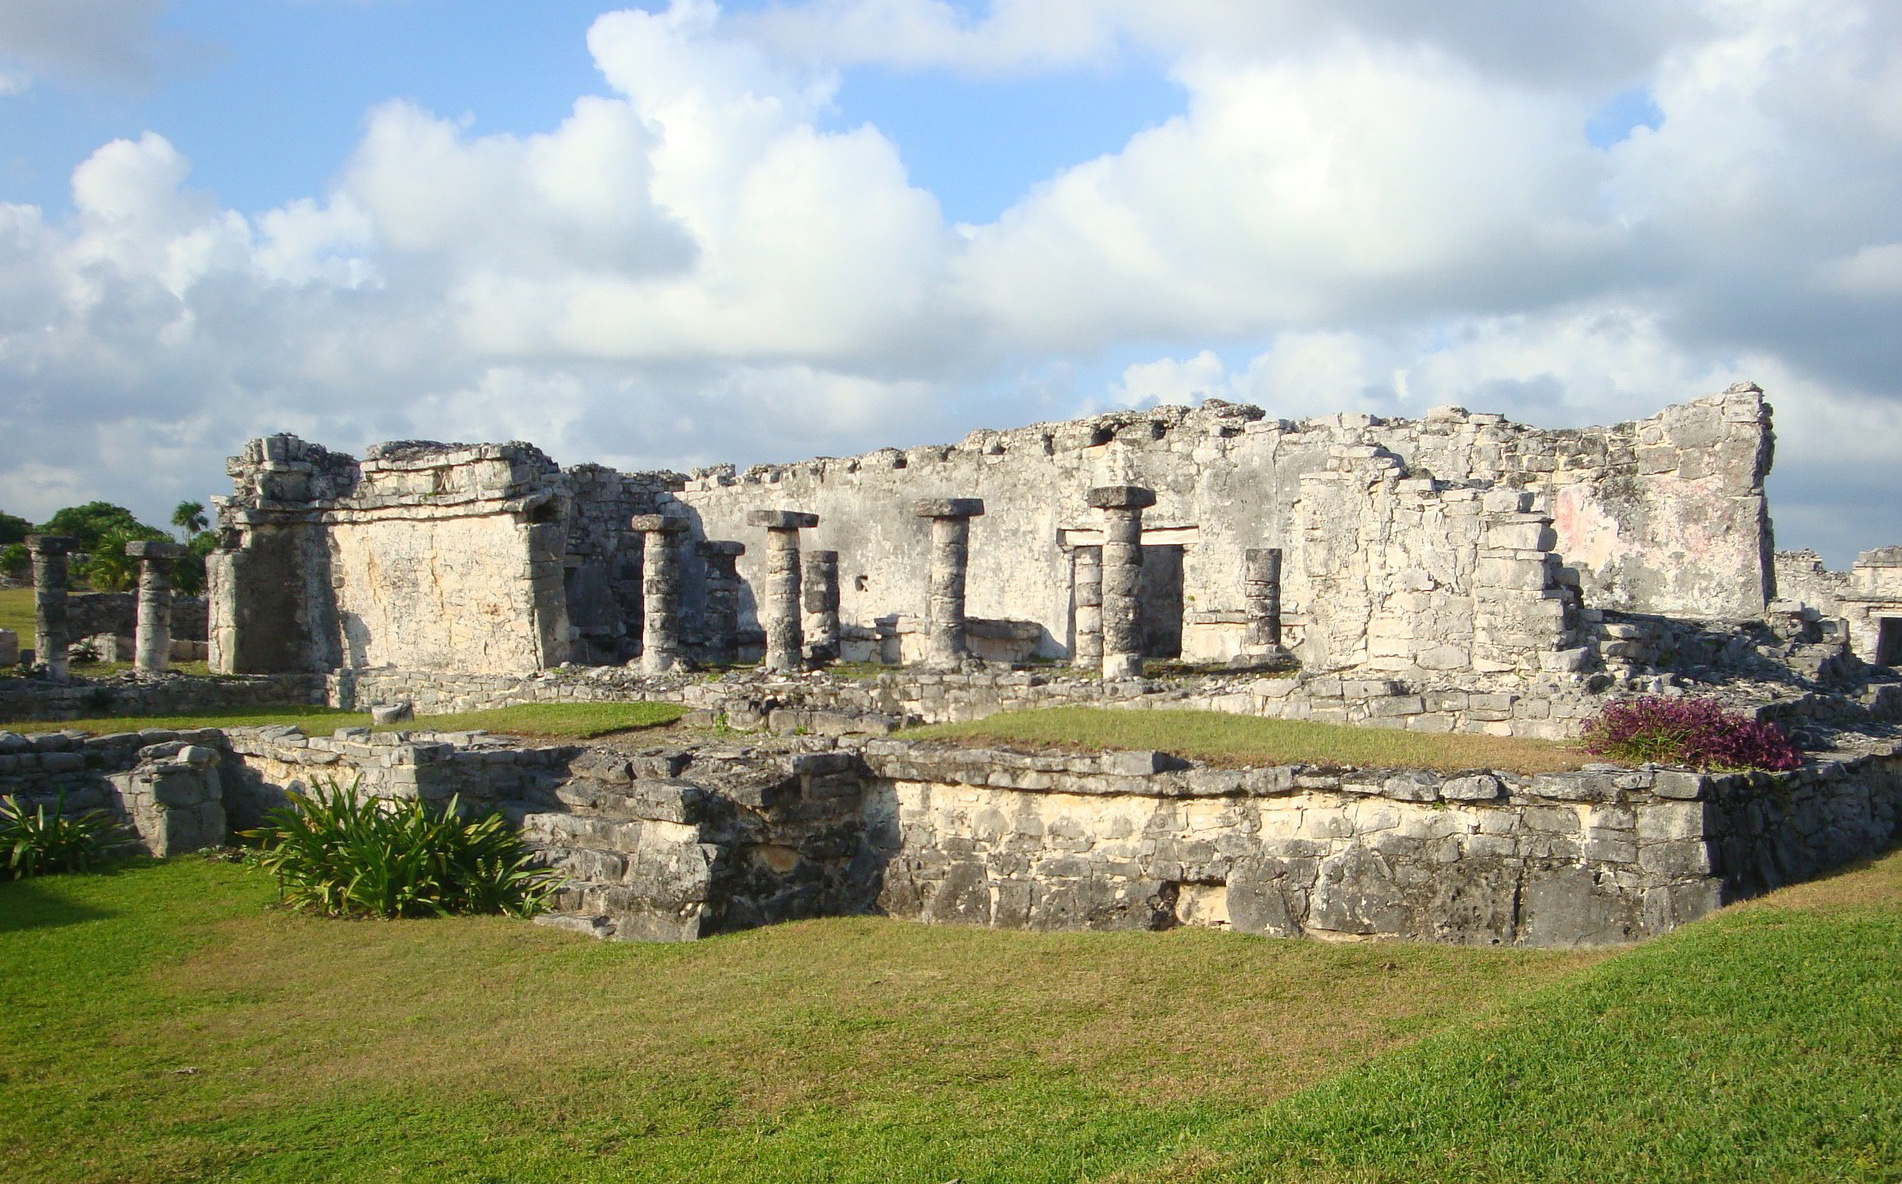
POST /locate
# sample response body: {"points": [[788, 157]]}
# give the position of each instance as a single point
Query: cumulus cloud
{"points": [[1372, 205]]}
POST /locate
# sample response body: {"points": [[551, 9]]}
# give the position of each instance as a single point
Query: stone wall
{"points": [[1137, 840], [40, 699], [1867, 599], [1475, 540], [603, 562], [117, 613], [484, 772], [161, 789], [1664, 515], [428, 556], [676, 843]]}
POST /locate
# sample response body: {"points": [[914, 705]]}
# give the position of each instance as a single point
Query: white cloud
{"points": [[1381, 205]]}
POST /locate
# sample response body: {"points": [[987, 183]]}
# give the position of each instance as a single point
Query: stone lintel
{"points": [[1122, 497], [154, 549], [657, 523], [721, 547], [1880, 557], [948, 507], [52, 544], [781, 519]]}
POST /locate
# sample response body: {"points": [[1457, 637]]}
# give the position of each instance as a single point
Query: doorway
{"points": [[1889, 641], [1159, 597]]}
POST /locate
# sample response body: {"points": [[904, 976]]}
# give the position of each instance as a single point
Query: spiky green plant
{"points": [[343, 854], [37, 842]]}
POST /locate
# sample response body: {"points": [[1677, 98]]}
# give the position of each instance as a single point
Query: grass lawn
{"points": [[555, 721], [574, 721], [16, 612], [1247, 740], [157, 1023]]}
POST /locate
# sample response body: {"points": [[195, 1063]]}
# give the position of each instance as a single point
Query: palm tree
{"points": [[189, 518]]}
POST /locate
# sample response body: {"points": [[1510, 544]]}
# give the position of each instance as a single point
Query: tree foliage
{"points": [[189, 518], [13, 529], [89, 523], [109, 568]]}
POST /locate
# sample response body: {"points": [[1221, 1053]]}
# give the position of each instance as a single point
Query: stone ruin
{"points": [[1454, 550], [1452, 573]]}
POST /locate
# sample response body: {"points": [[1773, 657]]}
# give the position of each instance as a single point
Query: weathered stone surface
{"points": [[1121, 497], [782, 519], [50, 631], [948, 507]]}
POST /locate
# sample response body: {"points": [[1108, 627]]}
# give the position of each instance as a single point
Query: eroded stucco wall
{"points": [[1664, 515], [421, 556]]}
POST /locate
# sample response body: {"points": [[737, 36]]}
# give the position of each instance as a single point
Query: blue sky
{"points": [[686, 234]]}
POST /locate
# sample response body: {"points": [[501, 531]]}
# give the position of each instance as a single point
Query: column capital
{"points": [[657, 523], [154, 549], [781, 519], [948, 507], [52, 544], [721, 547], [1122, 497]]}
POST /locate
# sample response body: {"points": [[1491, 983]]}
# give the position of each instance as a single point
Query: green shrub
{"points": [[342, 854], [37, 842]]}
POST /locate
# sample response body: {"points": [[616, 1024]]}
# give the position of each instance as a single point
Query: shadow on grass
{"points": [[32, 904]]}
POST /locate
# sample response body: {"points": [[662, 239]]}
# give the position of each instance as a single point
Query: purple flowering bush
{"points": [[1694, 732]]}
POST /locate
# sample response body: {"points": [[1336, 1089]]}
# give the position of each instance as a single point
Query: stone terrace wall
{"points": [[673, 843], [1550, 706], [486, 773], [1663, 515], [37, 699], [1126, 841], [161, 788]]}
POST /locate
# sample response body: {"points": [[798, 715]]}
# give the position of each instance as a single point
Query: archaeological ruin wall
{"points": [[1866, 599], [1665, 515], [1450, 547], [421, 556]]}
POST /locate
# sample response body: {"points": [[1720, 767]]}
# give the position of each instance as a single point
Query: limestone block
{"points": [[1121, 497], [782, 519], [948, 507]]}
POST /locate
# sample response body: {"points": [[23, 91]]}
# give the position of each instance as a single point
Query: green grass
{"points": [[317, 720], [160, 1024], [1219, 738], [1762, 1044], [562, 721], [578, 721], [16, 612]]}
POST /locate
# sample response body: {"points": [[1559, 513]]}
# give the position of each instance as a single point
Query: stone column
{"points": [[50, 637], [1122, 507], [152, 650], [950, 555], [1089, 607], [779, 607], [820, 592], [660, 591], [723, 601], [1261, 597]]}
